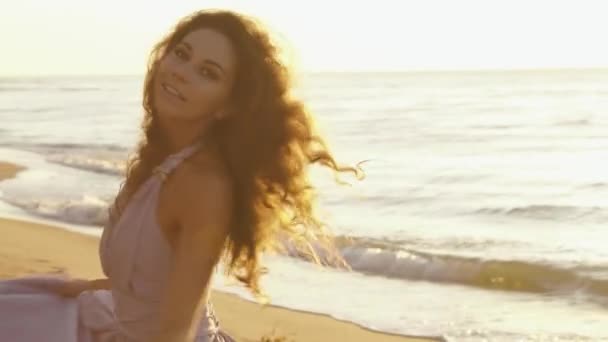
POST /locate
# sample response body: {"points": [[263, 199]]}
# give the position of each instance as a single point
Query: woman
{"points": [[220, 171]]}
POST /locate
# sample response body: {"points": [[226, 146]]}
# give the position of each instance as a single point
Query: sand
{"points": [[29, 248], [8, 170]]}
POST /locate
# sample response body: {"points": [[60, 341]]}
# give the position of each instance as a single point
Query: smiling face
{"points": [[194, 78]]}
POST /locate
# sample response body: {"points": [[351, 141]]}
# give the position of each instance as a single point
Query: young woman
{"points": [[220, 172]]}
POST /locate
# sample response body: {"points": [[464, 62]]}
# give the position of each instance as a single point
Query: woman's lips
{"points": [[172, 91]]}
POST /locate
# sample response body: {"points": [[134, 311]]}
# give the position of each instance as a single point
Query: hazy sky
{"points": [[114, 36]]}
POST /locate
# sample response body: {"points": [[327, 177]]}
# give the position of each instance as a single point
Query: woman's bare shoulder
{"points": [[201, 177]]}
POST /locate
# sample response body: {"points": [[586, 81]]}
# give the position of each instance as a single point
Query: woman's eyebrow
{"points": [[208, 61]]}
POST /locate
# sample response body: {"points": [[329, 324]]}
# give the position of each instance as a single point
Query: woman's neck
{"points": [[180, 135]]}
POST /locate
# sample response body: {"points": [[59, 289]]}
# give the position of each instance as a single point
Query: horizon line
{"points": [[348, 71]]}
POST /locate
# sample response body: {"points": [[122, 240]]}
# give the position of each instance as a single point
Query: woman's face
{"points": [[194, 79]]}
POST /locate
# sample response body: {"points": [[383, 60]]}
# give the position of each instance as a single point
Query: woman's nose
{"points": [[179, 73]]}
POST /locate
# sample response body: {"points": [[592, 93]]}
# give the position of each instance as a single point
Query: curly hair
{"points": [[266, 146]]}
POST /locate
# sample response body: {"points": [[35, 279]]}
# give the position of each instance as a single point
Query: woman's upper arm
{"points": [[203, 213], [100, 284]]}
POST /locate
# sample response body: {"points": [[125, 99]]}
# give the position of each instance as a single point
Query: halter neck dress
{"points": [[135, 256]]}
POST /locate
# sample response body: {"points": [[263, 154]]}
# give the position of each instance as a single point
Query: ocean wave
{"points": [[74, 146], [43, 87], [387, 259], [15, 89], [597, 185], [103, 159], [548, 212], [83, 162], [88, 210], [579, 122], [78, 89], [499, 126], [383, 258], [109, 150]]}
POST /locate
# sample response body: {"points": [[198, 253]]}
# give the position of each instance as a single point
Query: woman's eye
{"points": [[205, 72], [179, 53]]}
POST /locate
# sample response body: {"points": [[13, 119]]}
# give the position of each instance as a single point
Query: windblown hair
{"points": [[267, 146]]}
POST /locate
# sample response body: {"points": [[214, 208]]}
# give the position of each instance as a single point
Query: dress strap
{"points": [[173, 160]]}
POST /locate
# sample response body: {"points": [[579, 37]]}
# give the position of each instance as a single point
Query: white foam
{"points": [[420, 308], [88, 210], [113, 167]]}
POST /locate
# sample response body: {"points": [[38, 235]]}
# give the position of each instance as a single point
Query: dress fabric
{"points": [[135, 255]]}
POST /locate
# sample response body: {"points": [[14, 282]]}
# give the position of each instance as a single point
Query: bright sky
{"points": [[114, 36]]}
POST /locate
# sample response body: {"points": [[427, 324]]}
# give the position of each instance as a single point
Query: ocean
{"points": [[482, 217]]}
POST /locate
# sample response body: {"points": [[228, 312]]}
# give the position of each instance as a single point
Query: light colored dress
{"points": [[135, 256]]}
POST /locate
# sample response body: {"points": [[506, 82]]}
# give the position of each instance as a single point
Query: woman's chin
{"points": [[177, 117]]}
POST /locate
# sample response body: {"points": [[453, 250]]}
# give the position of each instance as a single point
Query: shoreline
{"points": [[33, 248]]}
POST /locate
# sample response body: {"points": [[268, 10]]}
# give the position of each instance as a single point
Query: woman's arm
{"points": [[99, 284], [75, 286], [203, 216]]}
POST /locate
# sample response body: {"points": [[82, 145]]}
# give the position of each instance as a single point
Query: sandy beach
{"points": [[29, 248]]}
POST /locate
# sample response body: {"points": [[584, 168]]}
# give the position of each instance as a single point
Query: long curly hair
{"points": [[267, 146]]}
